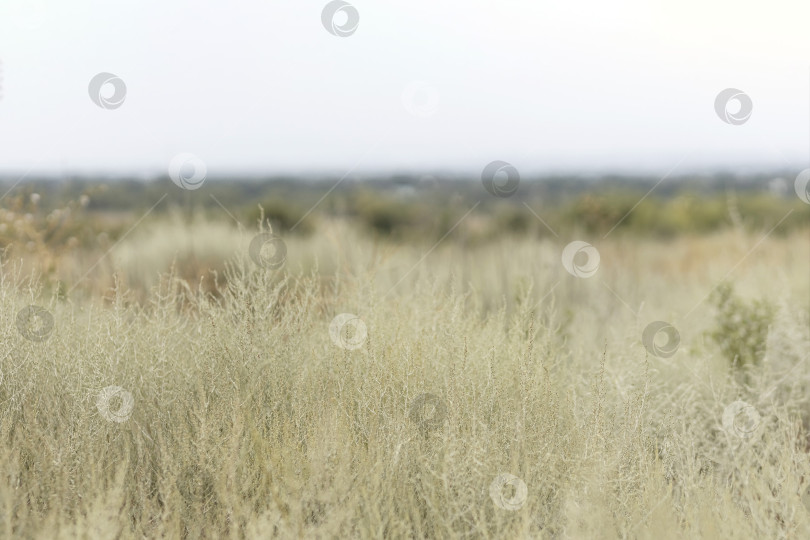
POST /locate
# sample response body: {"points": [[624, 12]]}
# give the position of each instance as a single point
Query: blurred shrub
{"points": [[598, 213], [513, 219], [384, 215], [282, 216], [741, 332]]}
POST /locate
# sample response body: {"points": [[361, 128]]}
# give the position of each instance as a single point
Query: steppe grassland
{"points": [[249, 421]]}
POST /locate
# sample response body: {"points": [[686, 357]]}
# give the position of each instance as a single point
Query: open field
{"points": [[404, 270], [488, 383]]}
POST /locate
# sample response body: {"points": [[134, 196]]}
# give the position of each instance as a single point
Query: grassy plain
{"points": [[184, 390]]}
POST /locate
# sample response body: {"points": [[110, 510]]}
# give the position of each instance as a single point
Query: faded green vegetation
{"points": [[415, 209], [742, 327]]}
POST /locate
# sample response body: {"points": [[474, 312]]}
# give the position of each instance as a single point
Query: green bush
{"points": [[283, 216], [742, 327]]}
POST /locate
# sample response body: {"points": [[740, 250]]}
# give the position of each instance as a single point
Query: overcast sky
{"points": [[420, 85]]}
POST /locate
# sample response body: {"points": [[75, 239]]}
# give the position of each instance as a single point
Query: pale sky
{"points": [[254, 86]]}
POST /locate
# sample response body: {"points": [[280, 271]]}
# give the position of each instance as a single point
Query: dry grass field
{"points": [[360, 387], [404, 270]]}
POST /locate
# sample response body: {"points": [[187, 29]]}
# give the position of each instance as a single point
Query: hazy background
{"points": [[262, 87]]}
